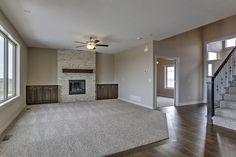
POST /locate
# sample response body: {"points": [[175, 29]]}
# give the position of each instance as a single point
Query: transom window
{"points": [[169, 77], [212, 56], [7, 68], [230, 43]]}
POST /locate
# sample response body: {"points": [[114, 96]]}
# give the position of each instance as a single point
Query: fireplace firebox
{"points": [[77, 87]]}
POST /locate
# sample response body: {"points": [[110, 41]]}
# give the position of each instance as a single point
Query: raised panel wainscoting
{"points": [[107, 91], [41, 94]]}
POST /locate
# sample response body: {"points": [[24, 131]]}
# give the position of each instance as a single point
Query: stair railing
{"points": [[218, 83]]}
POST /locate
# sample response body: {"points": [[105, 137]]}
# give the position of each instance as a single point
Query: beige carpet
{"points": [[164, 101], [84, 129]]}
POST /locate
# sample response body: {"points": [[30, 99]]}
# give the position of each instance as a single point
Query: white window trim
{"points": [[17, 68]]}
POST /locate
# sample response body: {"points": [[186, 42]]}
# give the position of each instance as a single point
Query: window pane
{"points": [[215, 46], [1, 68], [212, 56], [11, 70], [230, 43], [170, 82], [209, 69]]}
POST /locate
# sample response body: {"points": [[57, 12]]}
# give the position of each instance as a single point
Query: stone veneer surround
{"points": [[73, 59]]}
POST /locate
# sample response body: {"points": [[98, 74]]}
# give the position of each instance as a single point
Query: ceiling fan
{"points": [[91, 44]]}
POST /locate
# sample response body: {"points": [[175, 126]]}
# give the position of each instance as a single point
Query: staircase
{"points": [[221, 94], [225, 115]]}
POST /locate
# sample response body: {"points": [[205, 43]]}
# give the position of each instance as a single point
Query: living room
{"points": [[79, 78]]}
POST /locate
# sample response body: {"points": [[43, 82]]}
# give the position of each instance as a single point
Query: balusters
{"points": [[217, 91], [233, 65], [229, 71], [218, 83]]}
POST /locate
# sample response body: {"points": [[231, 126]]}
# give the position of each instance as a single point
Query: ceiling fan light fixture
{"points": [[91, 45]]}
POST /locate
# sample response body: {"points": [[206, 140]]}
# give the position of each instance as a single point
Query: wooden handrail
{"points": [[210, 89], [223, 64]]}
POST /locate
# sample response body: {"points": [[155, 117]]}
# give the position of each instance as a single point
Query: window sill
{"points": [[11, 100]]}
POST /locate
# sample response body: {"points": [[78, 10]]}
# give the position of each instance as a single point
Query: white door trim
{"points": [[176, 92]]}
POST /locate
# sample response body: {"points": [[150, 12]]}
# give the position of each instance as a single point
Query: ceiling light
{"points": [[146, 49], [91, 45], [157, 62], [27, 11], [139, 38]]}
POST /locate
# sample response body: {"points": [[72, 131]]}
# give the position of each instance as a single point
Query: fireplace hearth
{"points": [[77, 87]]}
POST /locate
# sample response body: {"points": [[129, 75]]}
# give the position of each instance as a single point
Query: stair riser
{"points": [[232, 90], [234, 77], [231, 115], [230, 97], [233, 84], [225, 104]]}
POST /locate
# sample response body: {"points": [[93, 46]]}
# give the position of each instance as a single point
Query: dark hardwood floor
{"points": [[190, 136]]}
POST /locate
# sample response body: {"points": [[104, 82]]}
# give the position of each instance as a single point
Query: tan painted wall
{"points": [[134, 74], [219, 30], [188, 48], [104, 68], [42, 66], [161, 90], [11, 110]]}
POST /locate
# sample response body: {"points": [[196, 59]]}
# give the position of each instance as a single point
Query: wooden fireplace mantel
{"points": [[77, 70]]}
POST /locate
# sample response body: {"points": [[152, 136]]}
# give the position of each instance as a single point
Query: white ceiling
{"points": [[58, 23]]}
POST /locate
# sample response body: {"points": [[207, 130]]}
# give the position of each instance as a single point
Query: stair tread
{"points": [[228, 101], [228, 104], [230, 94], [226, 112], [226, 109]]}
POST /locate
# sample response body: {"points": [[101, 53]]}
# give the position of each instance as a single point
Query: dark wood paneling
{"points": [[107, 91], [41, 94]]}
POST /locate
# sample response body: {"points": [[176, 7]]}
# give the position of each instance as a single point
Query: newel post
{"points": [[210, 99]]}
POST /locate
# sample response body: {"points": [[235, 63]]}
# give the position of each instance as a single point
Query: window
{"points": [[1, 68], [216, 46], [169, 77], [7, 68], [230, 43], [212, 56], [209, 69]]}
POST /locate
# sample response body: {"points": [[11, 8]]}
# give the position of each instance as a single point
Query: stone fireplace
{"points": [[76, 86]]}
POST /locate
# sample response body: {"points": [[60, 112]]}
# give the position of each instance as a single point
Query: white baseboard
{"points": [[136, 103], [191, 103]]}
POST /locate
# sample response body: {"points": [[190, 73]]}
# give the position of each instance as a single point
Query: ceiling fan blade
{"points": [[103, 45], [80, 42], [81, 50], [80, 46], [96, 41]]}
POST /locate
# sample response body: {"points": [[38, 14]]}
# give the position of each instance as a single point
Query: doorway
{"points": [[166, 82]]}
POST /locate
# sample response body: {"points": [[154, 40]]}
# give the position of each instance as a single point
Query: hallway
{"points": [[164, 101]]}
